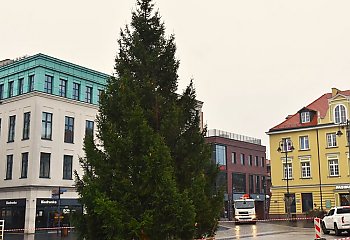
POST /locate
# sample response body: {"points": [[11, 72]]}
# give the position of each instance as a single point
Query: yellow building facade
{"points": [[309, 154]]}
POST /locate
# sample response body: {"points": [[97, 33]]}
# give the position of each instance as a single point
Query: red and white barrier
{"points": [[317, 224]]}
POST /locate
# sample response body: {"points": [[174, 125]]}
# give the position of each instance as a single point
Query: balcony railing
{"points": [[234, 136]]}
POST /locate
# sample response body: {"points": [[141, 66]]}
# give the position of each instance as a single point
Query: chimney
{"points": [[335, 91]]}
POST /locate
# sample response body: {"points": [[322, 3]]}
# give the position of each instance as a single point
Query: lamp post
{"points": [[286, 145], [346, 125]]}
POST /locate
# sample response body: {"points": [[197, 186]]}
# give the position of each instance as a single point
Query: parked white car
{"points": [[337, 219]]}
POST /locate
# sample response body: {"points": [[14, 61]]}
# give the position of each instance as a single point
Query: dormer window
{"points": [[339, 114], [305, 117]]}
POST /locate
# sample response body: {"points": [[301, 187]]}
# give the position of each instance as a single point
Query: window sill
{"points": [[10, 141], [338, 176], [48, 139], [23, 178], [24, 139], [303, 150], [67, 179], [305, 178], [45, 177], [331, 147], [69, 142], [288, 179], [7, 178]]}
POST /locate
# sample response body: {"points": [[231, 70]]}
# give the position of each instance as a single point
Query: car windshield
{"points": [[343, 210], [244, 204]]}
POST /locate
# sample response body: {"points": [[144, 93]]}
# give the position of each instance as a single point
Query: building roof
{"points": [[319, 106]]}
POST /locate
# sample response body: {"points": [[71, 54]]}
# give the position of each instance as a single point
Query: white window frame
{"points": [[333, 166], [304, 143], [331, 139], [287, 166], [286, 145], [340, 114], [305, 167], [305, 117]]}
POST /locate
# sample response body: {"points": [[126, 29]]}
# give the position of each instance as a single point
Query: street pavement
{"points": [[269, 231], [226, 231]]}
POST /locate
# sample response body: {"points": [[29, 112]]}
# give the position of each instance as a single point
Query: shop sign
{"points": [[342, 187], [12, 202], [46, 202]]}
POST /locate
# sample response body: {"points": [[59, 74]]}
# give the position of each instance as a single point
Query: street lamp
{"points": [[286, 145], [346, 125]]}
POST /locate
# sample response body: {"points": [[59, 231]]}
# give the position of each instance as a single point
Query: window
{"points": [[287, 145], [48, 84], [46, 126], [24, 167], [238, 182], [307, 202], [233, 158], [262, 161], [220, 155], [9, 165], [251, 183], [305, 117], [10, 89], [339, 114], [88, 95], [31, 83], [100, 92], [257, 161], [331, 140], [288, 171], [250, 162], [304, 143], [305, 168], [26, 125], [12, 125], [242, 159], [333, 167], [257, 184], [69, 130], [20, 86], [76, 91], [44, 165], [67, 167], [89, 128], [1, 91], [63, 88]]}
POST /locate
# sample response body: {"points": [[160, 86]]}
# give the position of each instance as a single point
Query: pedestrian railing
{"points": [[2, 226]]}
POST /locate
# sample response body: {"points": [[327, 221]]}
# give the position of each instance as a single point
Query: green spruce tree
{"points": [[151, 175]]}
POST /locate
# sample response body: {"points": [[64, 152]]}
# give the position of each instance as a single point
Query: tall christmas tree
{"points": [[150, 176]]}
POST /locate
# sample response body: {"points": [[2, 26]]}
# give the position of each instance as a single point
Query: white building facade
{"points": [[47, 107]]}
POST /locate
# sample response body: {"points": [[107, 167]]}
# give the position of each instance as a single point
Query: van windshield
{"points": [[244, 204]]}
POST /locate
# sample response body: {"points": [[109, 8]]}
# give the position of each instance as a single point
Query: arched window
{"points": [[339, 114]]}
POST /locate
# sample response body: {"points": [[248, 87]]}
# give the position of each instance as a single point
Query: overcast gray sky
{"points": [[253, 62]]}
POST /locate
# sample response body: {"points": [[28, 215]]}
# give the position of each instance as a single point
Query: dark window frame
{"points": [[68, 167], [63, 88], [24, 165], [48, 85], [46, 125], [31, 83], [45, 161], [88, 94], [26, 126], [20, 86], [9, 167], [69, 129], [76, 91], [12, 129], [10, 89]]}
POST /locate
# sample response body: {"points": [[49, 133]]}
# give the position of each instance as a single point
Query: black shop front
{"points": [[13, 211], [55, 212]]}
